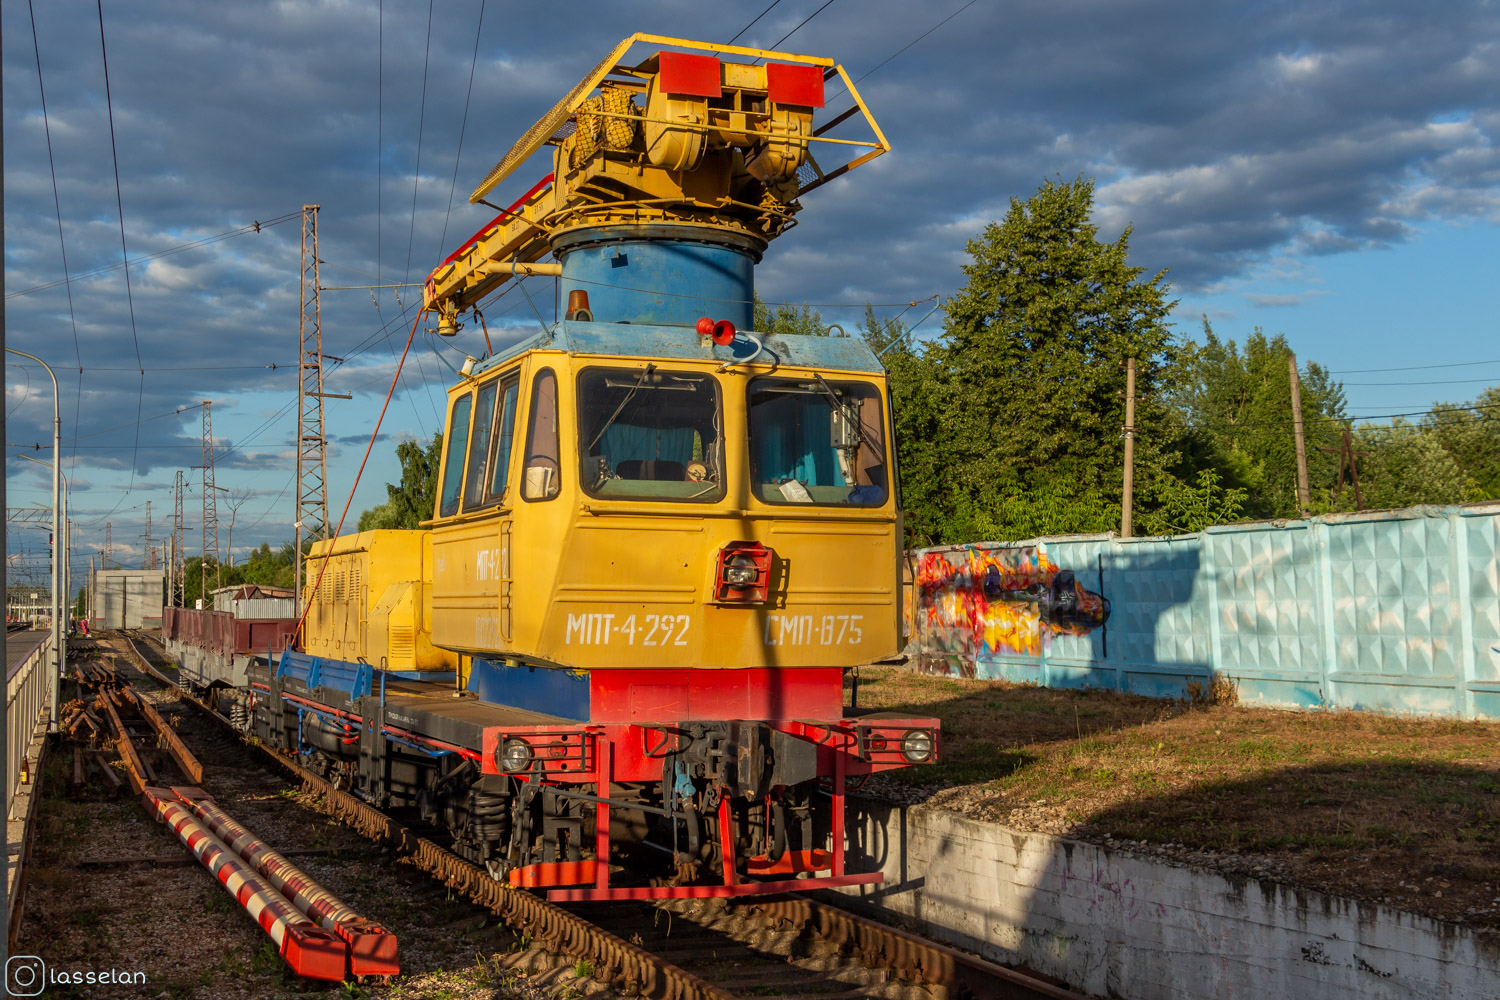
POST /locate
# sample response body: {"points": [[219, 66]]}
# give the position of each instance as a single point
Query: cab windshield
{"points": [[815, 441], [649, 433]]}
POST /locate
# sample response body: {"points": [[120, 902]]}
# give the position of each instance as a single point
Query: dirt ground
{"points": [[1404, 811], [93, 904]]}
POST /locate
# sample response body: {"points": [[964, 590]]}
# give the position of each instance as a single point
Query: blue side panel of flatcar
{"points": [[550, 691]]}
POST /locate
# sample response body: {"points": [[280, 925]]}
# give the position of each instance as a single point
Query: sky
{"points": [[1326, 171]]}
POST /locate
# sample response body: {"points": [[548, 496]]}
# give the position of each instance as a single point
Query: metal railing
{"points": [[27, 694]]}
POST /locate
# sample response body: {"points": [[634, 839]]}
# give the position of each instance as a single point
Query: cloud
{"points": [[1230, 137], [1283, 301], [361, 439]]}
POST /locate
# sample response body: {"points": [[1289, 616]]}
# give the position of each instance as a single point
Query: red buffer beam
{"points": [[372, 948], [310, 951]]}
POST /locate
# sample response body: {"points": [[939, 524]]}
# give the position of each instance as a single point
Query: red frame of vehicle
{"points": [[616, 749]]}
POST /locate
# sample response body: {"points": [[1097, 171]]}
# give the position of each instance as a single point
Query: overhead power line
{"points": [[1397, 385], [463, 125], [757, 17], [379, 129], [800, 26], [416, 178], [140, 398], [57, 207], [249, 228], [1410, 368], [893, 55]]}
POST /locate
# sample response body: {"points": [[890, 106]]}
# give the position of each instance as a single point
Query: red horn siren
{"points": [[723, 332]]}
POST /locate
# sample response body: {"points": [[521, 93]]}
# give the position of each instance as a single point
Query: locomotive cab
{"points": [[668, 512]]}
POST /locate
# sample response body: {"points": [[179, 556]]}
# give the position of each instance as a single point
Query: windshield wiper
{"points": [[645, 374], [838, 403]]}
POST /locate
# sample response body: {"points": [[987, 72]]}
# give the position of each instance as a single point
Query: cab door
{"points": [[470, 557]]}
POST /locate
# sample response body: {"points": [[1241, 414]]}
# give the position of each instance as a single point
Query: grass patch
{"points": [[1213, 774]]}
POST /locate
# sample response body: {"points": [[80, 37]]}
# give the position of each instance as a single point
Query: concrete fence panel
{"points": [[1389, 611]]}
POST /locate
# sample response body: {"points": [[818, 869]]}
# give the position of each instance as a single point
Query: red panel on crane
{"points": [[497, 220], [790, 84], [696, 76]]}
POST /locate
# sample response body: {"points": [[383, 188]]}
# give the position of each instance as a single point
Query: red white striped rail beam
{"points": [[309, 950], [372, 948]]}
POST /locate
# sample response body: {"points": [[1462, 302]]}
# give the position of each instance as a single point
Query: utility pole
{"points": [[311, 518], [1347, 456], [1304, 502], [210, 507], [1125, 510], [174, 593], [148, 556]]}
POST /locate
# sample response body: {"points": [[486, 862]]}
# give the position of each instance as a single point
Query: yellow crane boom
{"points": [[689, 139]]}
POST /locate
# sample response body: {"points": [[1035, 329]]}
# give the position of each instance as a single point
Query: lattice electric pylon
{"points": [[109, 542], [176, 554], [148, 557], [312, 464], [210, 508]]}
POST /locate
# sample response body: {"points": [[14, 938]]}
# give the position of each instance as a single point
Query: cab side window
{"points": [[479, 447], [504, 438], [490, 444], [542, 471], [453, 460]]}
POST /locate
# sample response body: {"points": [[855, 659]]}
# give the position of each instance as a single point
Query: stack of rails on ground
{"points": [[606, 694]]}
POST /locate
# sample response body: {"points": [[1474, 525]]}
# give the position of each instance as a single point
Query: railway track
{"points": [[787, 946]]}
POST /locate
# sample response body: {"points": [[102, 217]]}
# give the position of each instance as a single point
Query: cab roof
{"points": [[684, 343]]}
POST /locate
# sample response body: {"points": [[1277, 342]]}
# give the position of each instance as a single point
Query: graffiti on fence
{"points": [[973, 601]]}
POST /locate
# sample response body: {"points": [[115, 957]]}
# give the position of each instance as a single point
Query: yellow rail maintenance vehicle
{"points": [[661, 539]]}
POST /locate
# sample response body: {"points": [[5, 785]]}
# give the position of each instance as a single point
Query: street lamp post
{"points": [[58, 531], [62, 547]]}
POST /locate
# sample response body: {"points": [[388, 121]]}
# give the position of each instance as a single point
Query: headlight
{"points": [[916, 746], [740, 570], [515, 755]]}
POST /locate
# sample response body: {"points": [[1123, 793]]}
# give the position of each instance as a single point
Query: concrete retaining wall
{"points": [[1122, 925]]}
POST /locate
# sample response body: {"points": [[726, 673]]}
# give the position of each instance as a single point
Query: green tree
{"points": [[1186, 508], [787, 319], [1010, 424], [886, 335], [1470, 434], [409, 502], [1237, 408], [1405, 464], [265, 566]]}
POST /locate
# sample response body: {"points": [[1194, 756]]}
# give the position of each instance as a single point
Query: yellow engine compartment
{"points": [[369, 597]]}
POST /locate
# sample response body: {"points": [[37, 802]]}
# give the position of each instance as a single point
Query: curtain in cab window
{"points": [[504, 435], [453, 461], [542, 473], [479, 447], [649, 434], [817, 442]]}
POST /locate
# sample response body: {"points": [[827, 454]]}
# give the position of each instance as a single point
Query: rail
{"points": [[864, 941]]}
